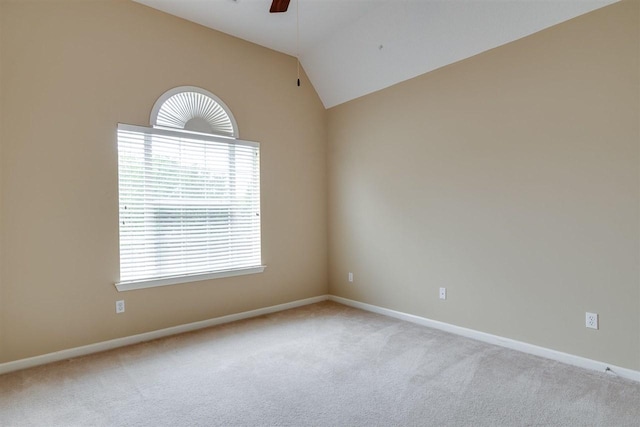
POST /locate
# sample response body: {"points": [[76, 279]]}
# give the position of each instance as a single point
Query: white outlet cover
{"points": [[443, 293], [120, 306], [591, 320], [350, 277]]}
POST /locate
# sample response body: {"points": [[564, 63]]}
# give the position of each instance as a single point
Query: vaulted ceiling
{"points": [[350, 48]]}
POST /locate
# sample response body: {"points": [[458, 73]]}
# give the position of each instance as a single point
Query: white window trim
{"points": [[181, 134], [174, 280]]}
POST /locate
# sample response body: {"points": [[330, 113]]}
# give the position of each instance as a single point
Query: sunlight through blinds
{"points": [[189, 203]]}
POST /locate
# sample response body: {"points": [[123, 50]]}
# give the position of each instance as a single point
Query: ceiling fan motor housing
{"points": [[278, 6]]}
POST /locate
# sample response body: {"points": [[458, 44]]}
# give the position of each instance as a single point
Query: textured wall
{"points": [[71, 70], [512, 179]]}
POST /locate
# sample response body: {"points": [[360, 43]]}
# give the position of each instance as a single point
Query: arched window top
{"points": [[193, 109]]}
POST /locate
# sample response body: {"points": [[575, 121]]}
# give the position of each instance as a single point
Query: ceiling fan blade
{"points": [[279, 6]]}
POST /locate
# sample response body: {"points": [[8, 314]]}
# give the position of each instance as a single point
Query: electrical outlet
{"points": [[592, 320], [120, 306], [350, 276], [443, 293]]}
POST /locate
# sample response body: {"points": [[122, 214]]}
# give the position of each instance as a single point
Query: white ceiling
{"points": [[350, 48]]}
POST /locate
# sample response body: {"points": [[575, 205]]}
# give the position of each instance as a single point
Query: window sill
{"points": [[174, 280]]}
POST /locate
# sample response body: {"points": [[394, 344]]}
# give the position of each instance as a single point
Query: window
{"points": [[189, 194]]}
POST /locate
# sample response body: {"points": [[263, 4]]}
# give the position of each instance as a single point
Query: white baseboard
{"points": [[148, 336], [547, 353], [570, 359]]}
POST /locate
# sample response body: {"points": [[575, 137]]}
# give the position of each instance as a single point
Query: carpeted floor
{"points": [[319, 365]]}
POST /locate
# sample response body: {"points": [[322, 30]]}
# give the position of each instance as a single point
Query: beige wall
{"points": [[511, 179], [1, 173], [71, 70]]}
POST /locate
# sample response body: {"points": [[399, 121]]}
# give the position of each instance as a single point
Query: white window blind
{"points": [[189, 203]]}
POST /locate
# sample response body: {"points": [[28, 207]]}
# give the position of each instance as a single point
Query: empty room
{"points": [[319, 212]]}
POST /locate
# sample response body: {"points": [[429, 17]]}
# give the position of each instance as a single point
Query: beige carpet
{"points": [[320, 365]]}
